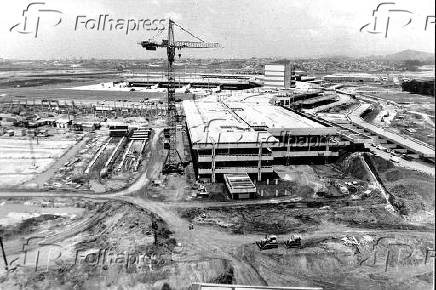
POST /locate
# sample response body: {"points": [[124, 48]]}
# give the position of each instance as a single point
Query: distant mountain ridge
{"points": [[410, 54]]}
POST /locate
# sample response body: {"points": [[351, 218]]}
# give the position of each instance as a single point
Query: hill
{"points": [[411, 55]]}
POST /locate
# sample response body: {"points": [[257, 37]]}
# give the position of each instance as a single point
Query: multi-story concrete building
{"points": [[279, 76], [245, 133], [224, 143]]}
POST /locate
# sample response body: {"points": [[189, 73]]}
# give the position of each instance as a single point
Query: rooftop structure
{"points": [[226, 82], [271, 117], [239, 185], [247, 133], [210, 122]]}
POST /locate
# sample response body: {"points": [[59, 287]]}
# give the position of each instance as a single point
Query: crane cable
{"points": [[188, 32]]}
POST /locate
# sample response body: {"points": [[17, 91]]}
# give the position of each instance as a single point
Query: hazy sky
{"points": [[245, 28]]}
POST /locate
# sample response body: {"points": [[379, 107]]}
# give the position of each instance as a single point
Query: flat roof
{"points": [[239, 180], [232, 119], [274, 117], [210, 121]]}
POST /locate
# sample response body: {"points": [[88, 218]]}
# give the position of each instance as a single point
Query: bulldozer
{"points": [[269, 242], [293, 242]]}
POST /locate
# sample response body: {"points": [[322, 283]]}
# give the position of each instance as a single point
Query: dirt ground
{"points": [[140, 237], [115, 227], [325, 261], [325, 258], [347, 242], [411, 192], [390, 247], [418, 126], [113, 244], [23, 158]]}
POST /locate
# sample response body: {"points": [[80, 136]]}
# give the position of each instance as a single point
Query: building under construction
{"points": [[247, 133]]}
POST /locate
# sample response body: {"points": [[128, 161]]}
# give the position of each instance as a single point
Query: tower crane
{"points": [[173, 162]]}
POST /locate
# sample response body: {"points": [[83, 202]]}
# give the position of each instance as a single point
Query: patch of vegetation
{"points": [[27, 225]]}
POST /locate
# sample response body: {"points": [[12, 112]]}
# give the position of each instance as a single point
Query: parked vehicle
{"points": [[269, 242], [293, 242]]}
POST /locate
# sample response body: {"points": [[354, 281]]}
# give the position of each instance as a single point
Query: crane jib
{"points": [[149, 45], [193, 44], [173, 162]]}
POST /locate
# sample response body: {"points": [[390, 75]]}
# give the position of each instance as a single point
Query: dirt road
{"points": [[203, 242], [206, 242], [412, 165]]}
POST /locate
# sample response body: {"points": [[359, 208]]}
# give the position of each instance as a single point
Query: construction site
{"points": [[217, 181], [73, 147]]}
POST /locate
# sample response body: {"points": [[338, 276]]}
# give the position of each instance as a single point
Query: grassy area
{"points": [[421, 129]]}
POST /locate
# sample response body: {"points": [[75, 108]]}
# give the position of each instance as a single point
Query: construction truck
{"points": [[293, 242], [269, 242]]}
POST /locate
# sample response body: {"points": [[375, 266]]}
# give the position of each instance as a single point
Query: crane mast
{"points": [[173, 162]]}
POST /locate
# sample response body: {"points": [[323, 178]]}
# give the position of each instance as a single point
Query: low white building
{"points": [[351, 77], [63, 123]]}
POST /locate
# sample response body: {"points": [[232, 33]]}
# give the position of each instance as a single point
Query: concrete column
{"points": [[288, 149], [213, 164], [259, 163]]}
